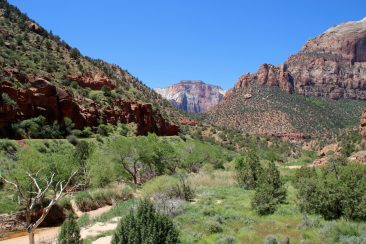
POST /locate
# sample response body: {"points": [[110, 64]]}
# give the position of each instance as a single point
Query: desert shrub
{"points": [[145, 225], [104, 129], [271, 239], [4, 98], [165, 184], [226, 240], [37, 128], [270, 191], [70, 231], [214, 227], [343, 232], [339, 190], [169, 186], [72, 139], [248, 169], [96, 198], [8, 147]]}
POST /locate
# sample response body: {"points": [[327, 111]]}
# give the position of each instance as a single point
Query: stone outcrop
{"points": [[332, 65], [192, 96], [43, 98], [95, 82]]}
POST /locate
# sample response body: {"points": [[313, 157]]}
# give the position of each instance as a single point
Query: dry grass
{"points": [[216, 178]]}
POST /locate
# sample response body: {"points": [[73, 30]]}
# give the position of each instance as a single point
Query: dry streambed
{"points": [[49, 235]]}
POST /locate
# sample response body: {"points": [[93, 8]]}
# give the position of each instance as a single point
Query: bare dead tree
{"points": [[35, 193]]}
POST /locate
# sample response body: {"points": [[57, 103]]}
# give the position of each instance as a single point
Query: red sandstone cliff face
{"points": [[192, 96], [331, 65], [44, 98], [95, 82]]}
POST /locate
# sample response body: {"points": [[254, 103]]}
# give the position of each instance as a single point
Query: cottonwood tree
{"points": [[39, 175], [135, 157]]}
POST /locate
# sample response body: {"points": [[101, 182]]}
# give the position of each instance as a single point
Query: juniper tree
{"points": [[70, 231], [248, 169], [145, 226]]}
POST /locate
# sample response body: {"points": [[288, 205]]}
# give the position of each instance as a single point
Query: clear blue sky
{"points": [[164, 41]]}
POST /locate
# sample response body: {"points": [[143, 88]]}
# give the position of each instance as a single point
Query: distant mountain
{"points": [[296, 99], [193, 96], [41, 75], [331, 65]]}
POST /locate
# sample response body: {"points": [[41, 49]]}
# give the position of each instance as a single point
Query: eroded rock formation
{"points": [[331, 65], [55, 104]]}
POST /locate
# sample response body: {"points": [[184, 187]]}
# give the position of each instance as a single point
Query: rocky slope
{"points": [[273, 101], [192, 96], [40, 74], [331, 65], [272, 111]]}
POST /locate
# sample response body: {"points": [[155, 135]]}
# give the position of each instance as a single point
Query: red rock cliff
{"points": [[331, 65], [43, 98]]}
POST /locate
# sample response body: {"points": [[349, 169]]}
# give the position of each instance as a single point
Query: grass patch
{"points": [[223, 214]]}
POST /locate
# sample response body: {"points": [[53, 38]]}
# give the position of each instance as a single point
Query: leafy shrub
{"points": [[269, 192], [96, 198], [72, 139], [271, 239], [70, 231], [214, 227], [169, 186], [248, 169], [145, 225], [338, 191], [7, 100], [343, 232], [226, 240], [37, 128]]}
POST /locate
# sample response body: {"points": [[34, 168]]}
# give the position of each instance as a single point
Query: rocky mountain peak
{"points": [[331, 65], [193, 96]]}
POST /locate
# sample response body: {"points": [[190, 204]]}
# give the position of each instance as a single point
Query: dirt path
{"points": [[103, 240], [49, 235], [98, 228], [42, 235], [294, 167]]}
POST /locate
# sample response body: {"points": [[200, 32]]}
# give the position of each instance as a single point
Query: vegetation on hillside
{"points": [[272, 110], [28, 50]]}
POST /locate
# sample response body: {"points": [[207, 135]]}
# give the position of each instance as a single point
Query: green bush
{"points": [[271, 239], [269, 192], [145, 225], [169, 186], [248, 169], [343, 232], [70, 231], [214, 227], [37, 128], [339, 190]]}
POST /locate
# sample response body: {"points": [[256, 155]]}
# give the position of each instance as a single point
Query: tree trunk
{"points": [[31, 236]]}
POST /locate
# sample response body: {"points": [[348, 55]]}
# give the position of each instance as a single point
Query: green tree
{"points": [[70, 231], [38, 174], [135, 156], [82, 153], [147, 226], [269, 192], [335, 193], [248, 170]]}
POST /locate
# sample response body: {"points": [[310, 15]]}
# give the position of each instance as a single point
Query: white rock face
{"points": [[193, 96]]}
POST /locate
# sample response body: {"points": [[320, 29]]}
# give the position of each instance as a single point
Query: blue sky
{"points": [[164, 41]]}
